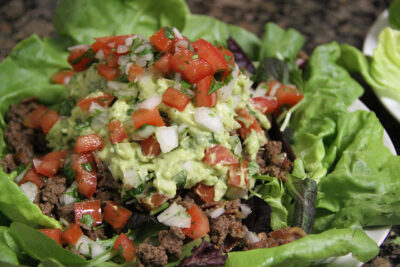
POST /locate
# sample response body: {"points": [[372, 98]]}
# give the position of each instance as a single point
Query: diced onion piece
{"points": [[89, 247], [207, 119], [142, 47], [129, 40], [99, 121], [36, 163], [30, 190], [121, 49], [225, 92], [67, 79], [99, 55], [150, 103], [131, 177], [177, 33], [117, 85], [175, 215], [123, 60], [66, 197], [183, 43], [146, 131], [94, 107], [252, 237], [274, 89], [217, 212], [167, 137], [245, 209], [145, 78], [80, 46]]}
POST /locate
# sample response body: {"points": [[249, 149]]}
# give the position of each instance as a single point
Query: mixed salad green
{"points": [[342, 151]]}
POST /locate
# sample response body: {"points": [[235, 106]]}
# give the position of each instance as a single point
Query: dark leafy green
{"points": [[241, 58], [272, 69], [259, 219], [187, 250], [205, 254], [394, 14]]}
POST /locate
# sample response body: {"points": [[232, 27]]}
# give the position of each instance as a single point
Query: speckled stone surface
{"points": [[321, 21]]}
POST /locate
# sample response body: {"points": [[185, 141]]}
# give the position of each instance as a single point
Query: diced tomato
{"points": [[111, 58], [78, 60], [62, 77], [174, 98], [86, 175], [219, 154], [108, 73], [161, 42], [192, 70], [163, 65], [49, 164], [203, 99], [110, 42], [54, 234], [248, 123], [288, 95], [134, 71], [117, 131], [78, 162], [236, 174], [88, 143], [153, 201], [126, 247], [211, 54], [264, 104], [150, 147], [116, 215], [32, 176], [229, 57], [33, 118], [90, 207], [48, 120], [199, 224], [104, 100], [72, 234], [147, 116], [205, 192]]}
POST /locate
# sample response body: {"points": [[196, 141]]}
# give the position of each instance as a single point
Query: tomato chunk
{"points": [[126, 247], [85, 174], [248, 123], [219, 154], [205, 192], [236, 174], [288, 95], [107, 72], [229, 57], [204, 99], [104, 100], [72, 234], [153, 201], [88, 143], [150, 147], [32, 176], [163, 65], [211, 54], [49, 164], [117, 131], [48, 120], [33, 118], [134, 71], [174, 98], [265, 104], [54, 234], [161, 42], [87, 212], [116, 215], [199, 224], [62, 77], [110, 42], [147, 116], [79, 60]]}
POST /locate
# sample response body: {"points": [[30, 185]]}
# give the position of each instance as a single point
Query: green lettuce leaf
{"points": [[304, 251], [83, 20], [394, 14]]}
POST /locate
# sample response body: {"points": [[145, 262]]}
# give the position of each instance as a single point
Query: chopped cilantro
{"points": [[227, 58], [98, 227], [69, 172], [87, 219], [169, 33], [145, 52], [159, 208], [73, 193], [87, 166], [195, 56], [88, 54], [215, 86], [180, 179], [135, 44]]}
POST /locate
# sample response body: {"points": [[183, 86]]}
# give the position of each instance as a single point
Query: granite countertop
{"points": [[345, 21]]}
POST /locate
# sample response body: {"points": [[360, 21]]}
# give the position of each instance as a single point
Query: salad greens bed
{"points": [[343, 152]]}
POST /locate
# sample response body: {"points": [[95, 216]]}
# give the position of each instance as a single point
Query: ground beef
{"points": [[172, 241], [47, 209], [278, 237], [96, 234], [8, 163], [186, 201], [54, 188], [66, 212], [230, 207], [151, 256], [226, 226], [107, 187]]}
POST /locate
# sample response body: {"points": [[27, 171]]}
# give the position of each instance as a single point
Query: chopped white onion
{"points": [[178, 78], [30, 190], [150, 103], [129, 40], [94, 107], [127, 67], [123, 60], [89, 247], [260, 90], [111, 45], [167, 137], [225, 92], [67, 79], [207, 119], [245, 209], [117, 85], [148, 57], [99, 121], [177, 33], [121, 49], [141, 61], [131, 177], [80, 46], [252, 237], [99, 55], [66, 197], [191, 93], [146, 131], [217, 212], [274, 89], [36, 162], [183, 43], [145, 78], [142, 47], [175, 215]]}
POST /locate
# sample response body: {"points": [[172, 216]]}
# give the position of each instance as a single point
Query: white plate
{"points": [[370, 43], [378, 234]]}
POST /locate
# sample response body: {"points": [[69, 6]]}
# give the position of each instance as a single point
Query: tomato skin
{"points": [[117, 131], [54, 234], [176, 99], [134, 71], [231, 60], [91, 207], [32, 120], [235, 173], [150, 147], [104, 100], [127, 246], [288, 95], [219, 154], [211, 54], [32, 176], [109, 42], [87, 180], [265, 104], [199, 224], [160, 41], [62, 77], [48, 120], [72, 234], [78, 61], [205, 192], [107, 72], [147, 116], [203, 99], [50, 163], [116, 215], [248, 123], [163, 65], [88, 143]]}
